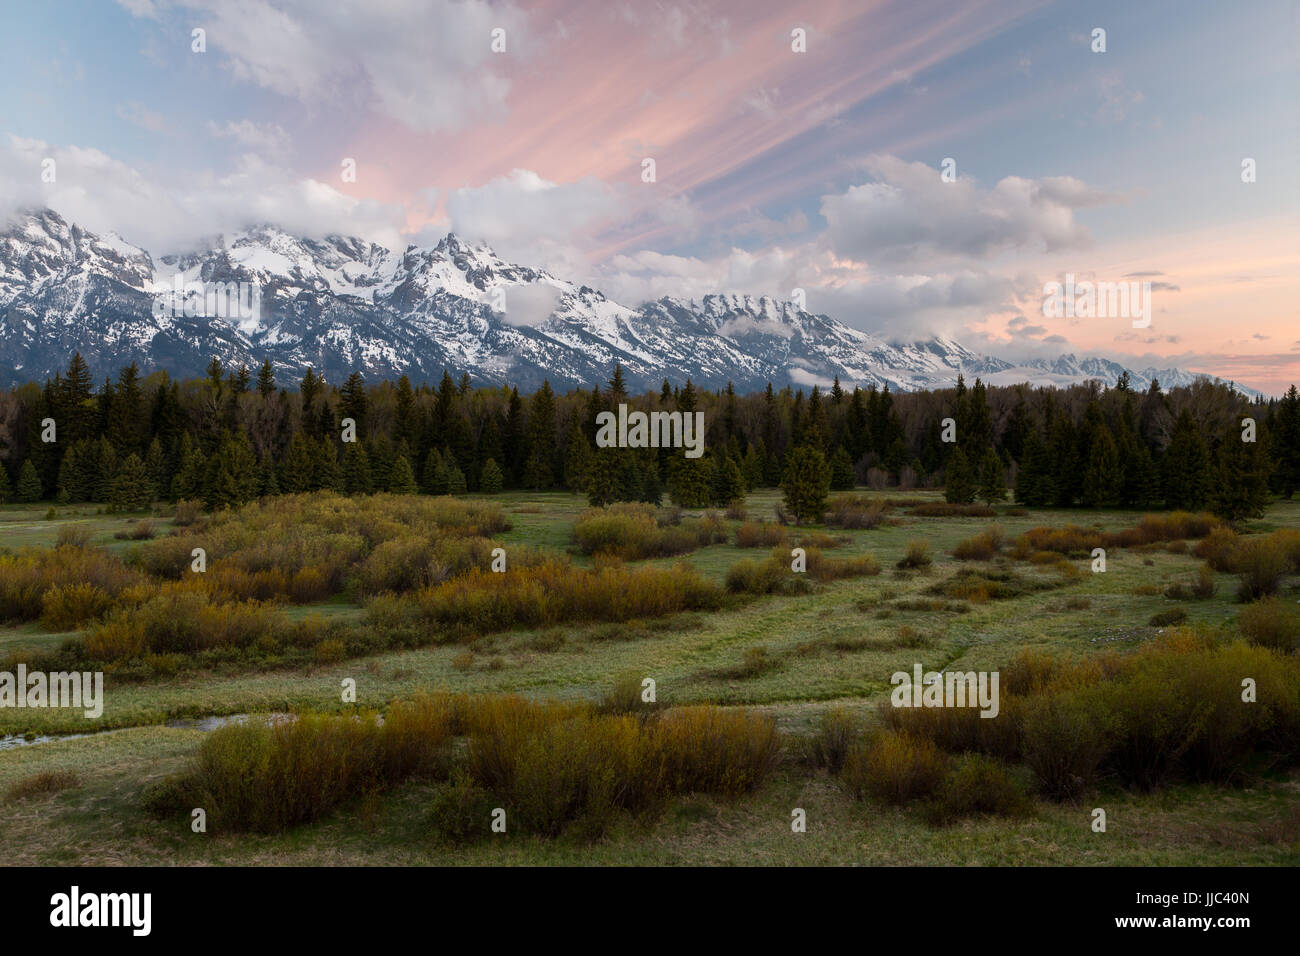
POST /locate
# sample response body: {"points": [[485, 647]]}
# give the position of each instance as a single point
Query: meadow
{"points": [[522, 689]]}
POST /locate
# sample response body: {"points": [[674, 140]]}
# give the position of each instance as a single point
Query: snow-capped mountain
{"points": [[342, 304]]}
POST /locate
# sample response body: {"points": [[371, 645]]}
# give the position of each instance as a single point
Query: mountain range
{"points": [[343, 304]]}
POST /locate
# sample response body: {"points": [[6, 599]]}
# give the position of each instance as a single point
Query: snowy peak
{"points": [[342, 304]]}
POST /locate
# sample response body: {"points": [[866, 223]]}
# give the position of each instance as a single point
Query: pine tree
{"points": [[728, 484], [456, 482], [231, 476], [1286, 444], [357, 479], [326, 474], [6, 490], [433, 476], [806, 483], [401, 479], [690, 480], [959, 486], [843, 477], [266, 379], [188, 483], [299, 465], [1185, 467], [29, 483], [132, 489], [602, 482], [1240, 485], [1034, 478], [1103, 479], [491, 480], [577, 459], [992, 480]]}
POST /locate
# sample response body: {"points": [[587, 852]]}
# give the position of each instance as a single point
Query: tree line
{"points": [[232, 436]]}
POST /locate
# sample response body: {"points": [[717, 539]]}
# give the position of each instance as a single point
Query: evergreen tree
{"points": [[1185, 467], [959, 486], [456, 482], [401, 480], [433, 476], [602, 481], [357, 479], [842, 475], [577, 459], [132, 489], [299, 465], [266, 380], [1240, 485], [1035, 483], [690, 481], [1286, 444], [231, 475], [326, 475], [1103, 479], [188, 483], [806, 483], [29, 483], [6, 490], [728, 484], [992, 479], [491, 480]]}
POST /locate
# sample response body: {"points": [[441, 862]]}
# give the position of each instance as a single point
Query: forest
{"points": [[232, 437]]}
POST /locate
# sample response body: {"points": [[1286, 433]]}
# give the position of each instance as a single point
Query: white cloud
{"points": [[425, 63], [104, 194], [908, 214]]}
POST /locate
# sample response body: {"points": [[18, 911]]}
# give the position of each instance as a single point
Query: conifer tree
{"points": [[1103, 479], [806, 483], [29, 483], [992, 478], [1185, 466], [132, 489], [491, 480], [1239, 489], [357, 479], [842, 474], [401, 479], [959, 485], [6, 490], [1034, 478]]}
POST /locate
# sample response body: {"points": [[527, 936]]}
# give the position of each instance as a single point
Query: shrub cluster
{"points": [[632, 531]]}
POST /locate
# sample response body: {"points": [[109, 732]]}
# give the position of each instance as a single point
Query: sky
{"points": [[914, 167]]}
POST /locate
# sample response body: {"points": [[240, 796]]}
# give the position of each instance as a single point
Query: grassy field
{"points": [[836, 646]]}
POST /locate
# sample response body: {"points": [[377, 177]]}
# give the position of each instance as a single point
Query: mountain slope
{"points": [[342, 304]]}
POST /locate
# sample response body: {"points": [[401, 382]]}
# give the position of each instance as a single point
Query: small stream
{"points": [[206, 724]]}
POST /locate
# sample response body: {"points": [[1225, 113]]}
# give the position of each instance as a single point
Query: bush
{"points": [[917, 554], [1174, 615], [895, 768], [555, 592], [982, 547], [1270, 623], [66, 606], [633, 531], [855, 512], [73, 536], [1217, 548], [43, 784], [1261, 564], [461, 810], [948, 509], [978, 786], [267, 777], [1064, 742], [829, 747], [187, 512], [760, 534]]}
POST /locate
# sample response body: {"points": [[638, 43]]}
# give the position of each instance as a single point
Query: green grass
{"points": [[837, 646]]}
